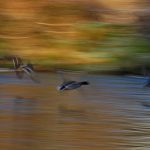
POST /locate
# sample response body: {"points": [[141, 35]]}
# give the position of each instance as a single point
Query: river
{"points": [[112, 113]]}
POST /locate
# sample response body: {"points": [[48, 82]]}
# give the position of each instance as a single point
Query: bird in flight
{"points": [[20, 68], [70, 84]]}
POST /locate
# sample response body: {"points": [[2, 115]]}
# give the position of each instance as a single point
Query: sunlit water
{"points": [[113, 113]]}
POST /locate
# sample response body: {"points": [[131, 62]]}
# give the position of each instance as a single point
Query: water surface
{"points": [[113, 113]]}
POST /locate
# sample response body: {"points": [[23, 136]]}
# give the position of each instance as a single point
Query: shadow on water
{"points": [[112, 113]]}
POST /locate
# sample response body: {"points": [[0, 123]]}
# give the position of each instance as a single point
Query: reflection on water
{"points": [[112, 113]]}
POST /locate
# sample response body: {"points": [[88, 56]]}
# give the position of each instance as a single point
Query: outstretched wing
{"points": [[62, 76], [28, 69], [68, 75], [17, 62]]}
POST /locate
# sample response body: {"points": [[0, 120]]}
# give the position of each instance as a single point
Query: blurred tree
{"points": [[143, 20]]}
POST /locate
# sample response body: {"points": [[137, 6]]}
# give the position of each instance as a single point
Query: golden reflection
{"points": [[33, 117]]}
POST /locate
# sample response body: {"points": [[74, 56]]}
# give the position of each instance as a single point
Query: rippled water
{"points": [[113, 113]]}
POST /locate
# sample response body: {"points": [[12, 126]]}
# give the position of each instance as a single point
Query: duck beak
{"points": [[60, 88]]}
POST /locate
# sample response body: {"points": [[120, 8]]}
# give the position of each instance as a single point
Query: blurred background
{"points": [[96, 35]]}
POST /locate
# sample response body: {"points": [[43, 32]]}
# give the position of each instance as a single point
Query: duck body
{"points": [[21, 68], [70, 85]]}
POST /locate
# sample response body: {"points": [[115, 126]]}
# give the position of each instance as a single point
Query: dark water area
{"points": [[112, 113]]}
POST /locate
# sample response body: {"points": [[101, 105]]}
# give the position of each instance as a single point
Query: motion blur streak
{"points": [[77, 34], [112, 115], [95, 36]]}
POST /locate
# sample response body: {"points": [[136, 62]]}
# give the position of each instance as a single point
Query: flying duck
{"points": [[20, 68], [70, 85]]}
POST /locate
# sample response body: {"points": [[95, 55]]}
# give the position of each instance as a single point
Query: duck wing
{"points": [[17, 62], [69, 75], [62, 76], [30, 72]]}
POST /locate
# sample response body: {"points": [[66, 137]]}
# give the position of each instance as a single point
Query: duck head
{"points": [[84, 83]]}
